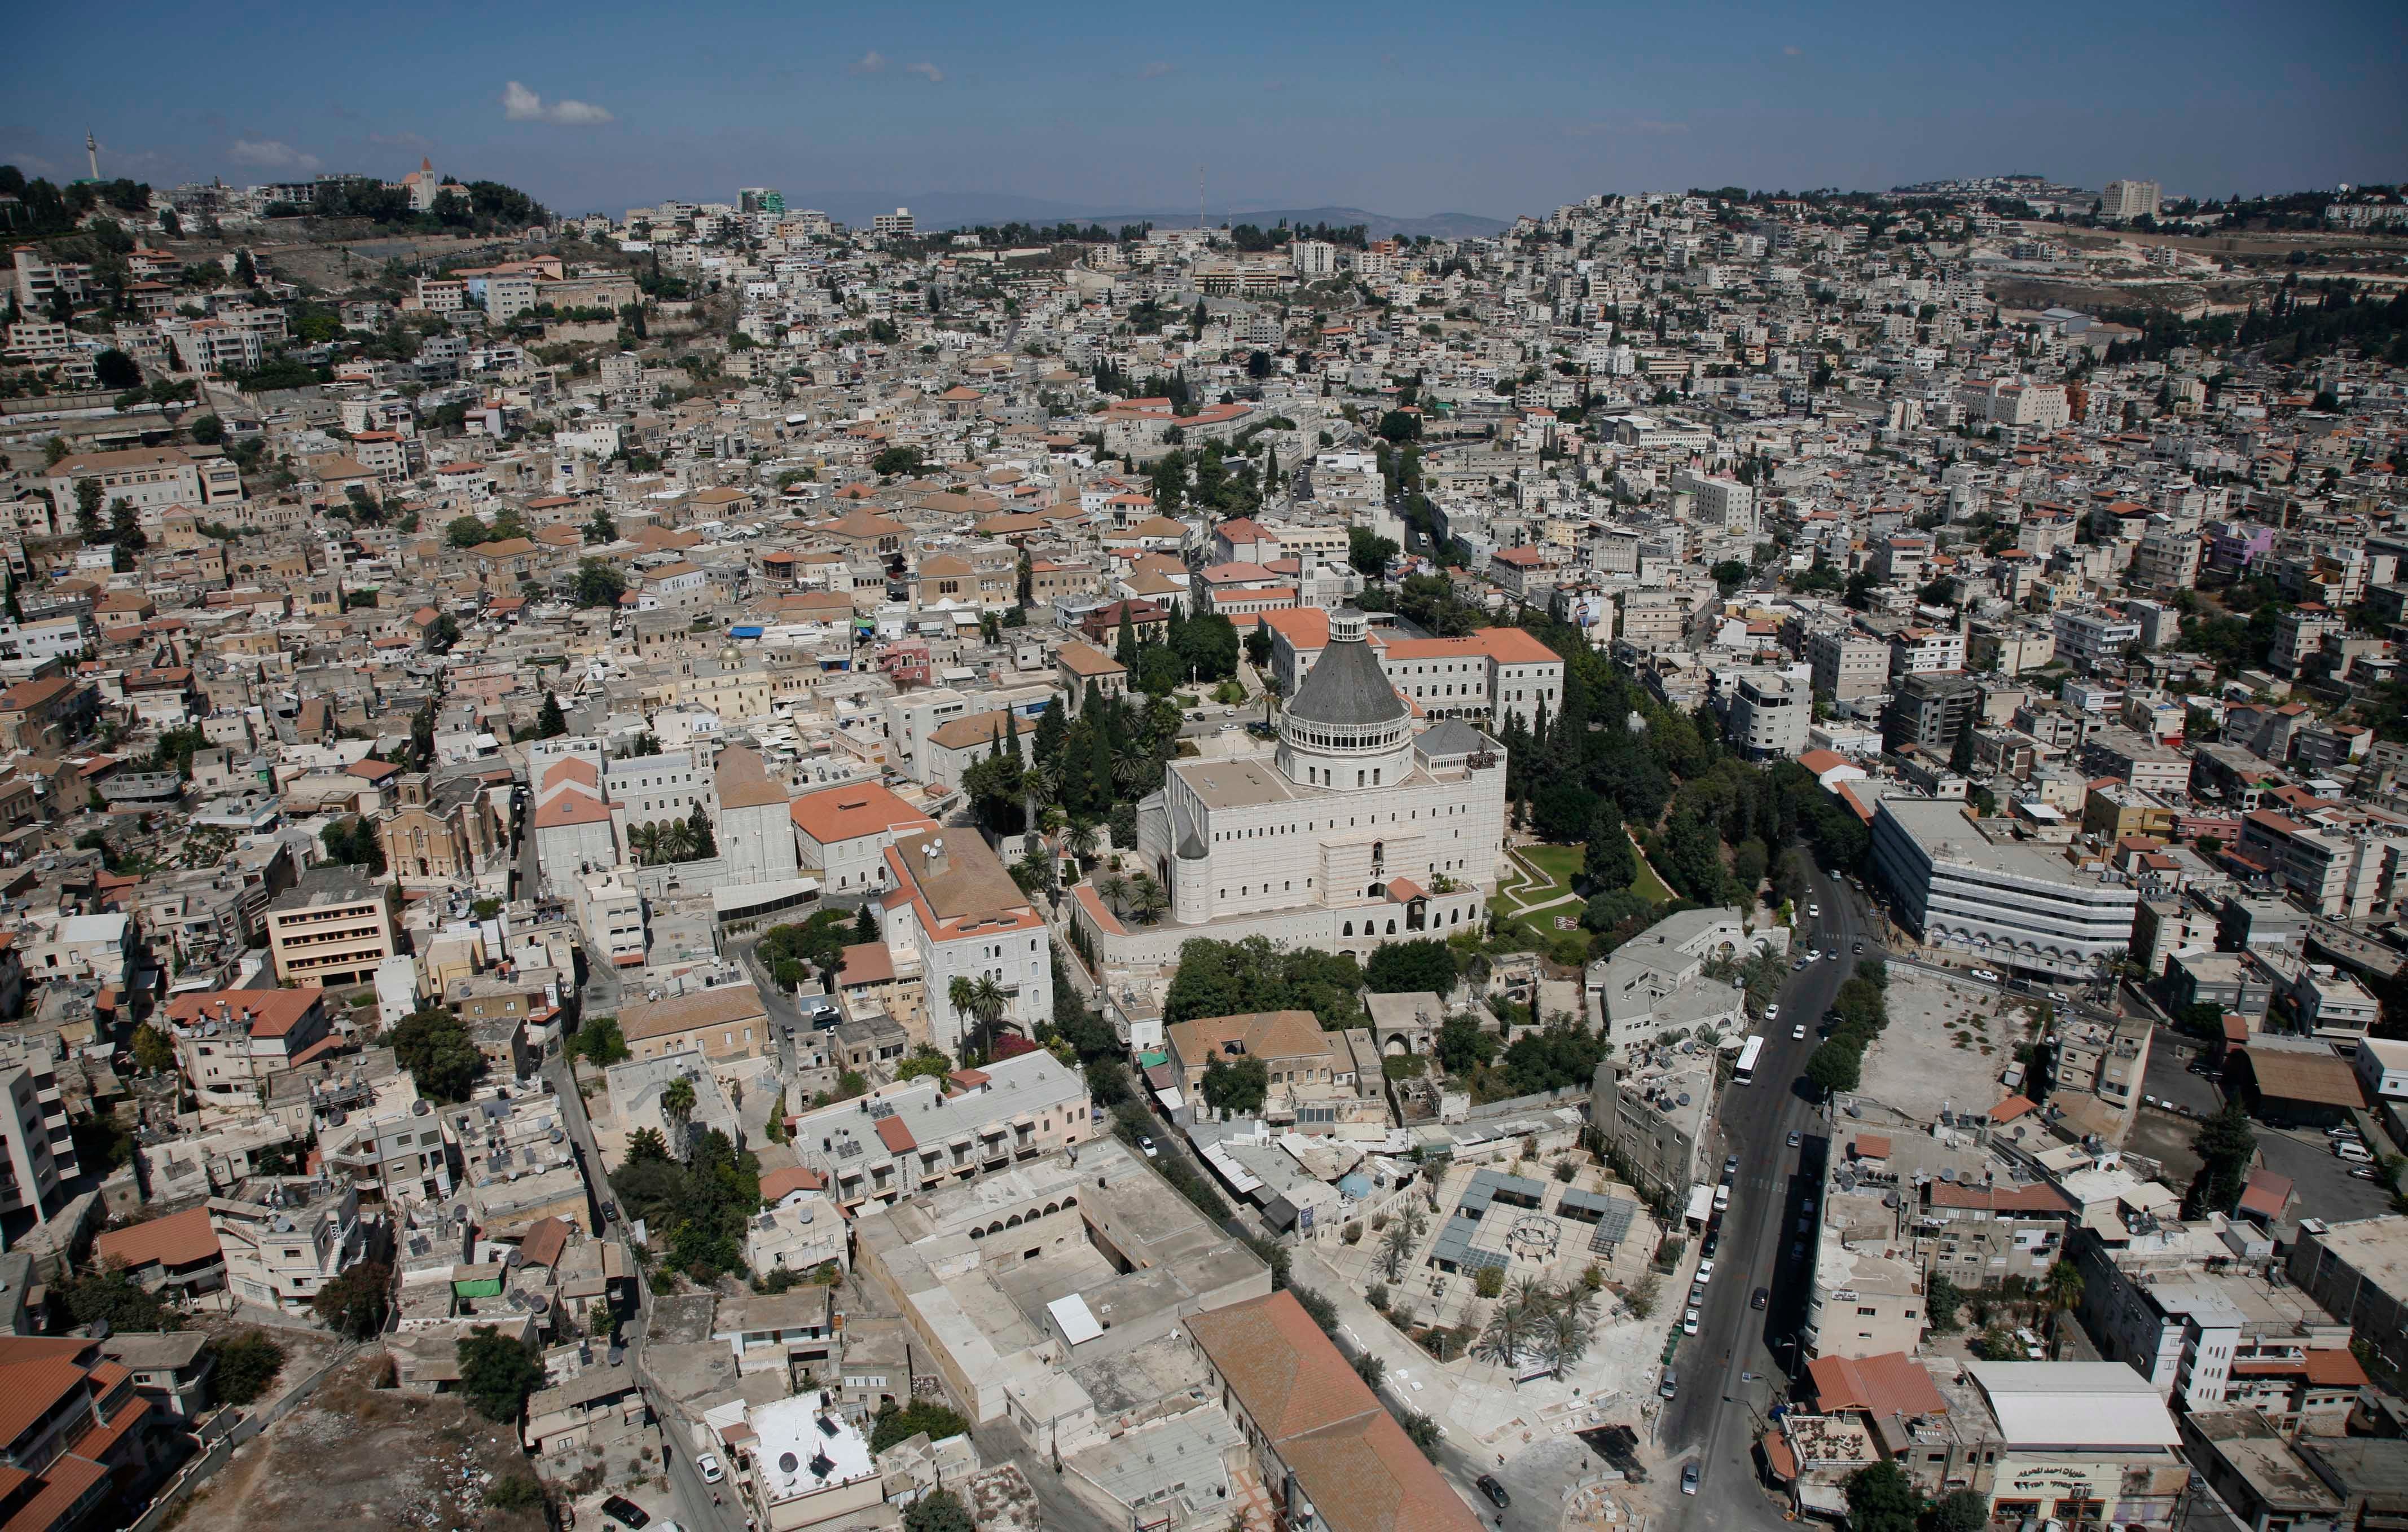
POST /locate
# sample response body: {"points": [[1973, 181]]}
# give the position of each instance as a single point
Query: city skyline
{"points": [[1408, 111]]}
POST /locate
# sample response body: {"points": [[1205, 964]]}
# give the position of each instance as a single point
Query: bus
{"points": [[1744, 1071]]}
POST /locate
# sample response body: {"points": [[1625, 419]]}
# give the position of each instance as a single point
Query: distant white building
{"points": [[2125, 200]]}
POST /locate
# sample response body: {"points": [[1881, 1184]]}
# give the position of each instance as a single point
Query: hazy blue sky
{"points": [[1406, 107]]}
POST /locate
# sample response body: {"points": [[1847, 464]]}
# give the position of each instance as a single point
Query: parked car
{"points": [[1711, 1242], [1689, 1322], [1798, 1033], [1706, 1270], [1730, 1165], [1147, 1145], [2365, 1172], [1796, 1139], [1721, 1197], [1758, 1298], [1797, 1250], [1495, 1491], [1985, 976], [1773, 1013], [708, 1465], [2341, 1131], [2352, 1151], [1668, 1386], [1696, 1293], [625, 1513], [2060, 998], [1689, 1477]]}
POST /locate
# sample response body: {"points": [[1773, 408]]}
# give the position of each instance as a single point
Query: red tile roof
{"points": [[182, 1238]]}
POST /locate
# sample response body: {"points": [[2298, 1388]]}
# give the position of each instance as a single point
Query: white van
{"points": [[2354, 1152]]}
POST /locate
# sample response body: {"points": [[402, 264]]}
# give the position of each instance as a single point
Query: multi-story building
{"points": [[148, 478], [1768, 715], [923, 1132], [1925, 652], [231, 1043], [611, 913], [2086, 638], [2005, 903], [843, 832], [285, 1238], [1848, 664], [391, 1157], [2125, 200], [956, 913], [84, 1447], [2342, 861], [37, 1146], [1931, 712], [333, 927], [2358, 1271]]}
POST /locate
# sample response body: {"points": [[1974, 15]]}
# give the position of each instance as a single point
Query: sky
{"points": [[1405, 109]]}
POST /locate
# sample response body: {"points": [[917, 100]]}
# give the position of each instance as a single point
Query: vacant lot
{"points": [[1948, 1041], [357, 1456]]}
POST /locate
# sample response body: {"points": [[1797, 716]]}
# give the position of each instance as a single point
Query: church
{"points": [[1353, 830]]}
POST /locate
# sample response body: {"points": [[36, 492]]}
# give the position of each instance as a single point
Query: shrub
{"points": [[1489, 1281], [247, 1365]]}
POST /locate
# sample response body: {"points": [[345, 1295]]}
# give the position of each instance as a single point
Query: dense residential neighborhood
{"points": [[1713, 857]]}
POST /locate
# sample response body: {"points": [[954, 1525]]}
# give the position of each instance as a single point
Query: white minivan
{"points": [[2354, 1152]]}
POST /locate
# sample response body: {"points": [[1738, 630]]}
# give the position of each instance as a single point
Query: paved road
{"points": [[1728, 1376]]}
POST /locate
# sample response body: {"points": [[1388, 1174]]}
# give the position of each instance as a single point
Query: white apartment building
{"points": [[1925, 652], [2343, 862], [2125, 200], [611, 913], [2005, 903], [1312, 259], [2085, 637], [1768, 716]]}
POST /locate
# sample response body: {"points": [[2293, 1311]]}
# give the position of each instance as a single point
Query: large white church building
{"points": [[1353, 830]]}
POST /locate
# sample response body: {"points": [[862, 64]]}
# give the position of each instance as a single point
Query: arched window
{"points": [[1379, 854], [1392, 928], [1349, 930], [1012, 1223]]}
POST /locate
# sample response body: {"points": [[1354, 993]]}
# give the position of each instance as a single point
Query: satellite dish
{"points": [[788, 1463]]}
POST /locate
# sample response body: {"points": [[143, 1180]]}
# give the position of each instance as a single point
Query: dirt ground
{"points": [[355, 1456]]}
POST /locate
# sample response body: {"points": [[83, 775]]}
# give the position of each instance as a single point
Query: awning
{"points": [[1171, 1098], [1076, 1323]]}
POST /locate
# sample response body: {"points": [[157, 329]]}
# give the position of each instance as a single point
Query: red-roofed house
{"points": [[844, 831], [177, 1255], [80, 1447], [229, 1042]]}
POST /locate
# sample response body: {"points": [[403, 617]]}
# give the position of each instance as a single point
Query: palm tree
{"points": [[1132, 767], [1043, 782], [1150, 901], [960, 994], [1508, 1335], [1534, 1297], [1116, 893], [1564, 1337], [676, 1111], [2063, 1287], [1082, 843], [676, 840], [987, 1002], [1395, 1247], [645, 841]]}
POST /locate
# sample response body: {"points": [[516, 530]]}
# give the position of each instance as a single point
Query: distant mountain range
{"points": [[963, 210]]}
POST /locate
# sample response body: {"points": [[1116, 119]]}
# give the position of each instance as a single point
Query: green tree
{"points": [[1409, 967], [1463, 1045], [466, 532], [1370, 552], [87, 512], [153, 1051], [1942, 1298], [550, 721], [926, 1059], [497, 1373], [247, 1364], [598, 584], [600, 1042], [355, 1303], [1881, 1500], [895, 1424], [599, 529], [438, 1053], [1836, 1065], [208, 430], [2226, 1144], [1960, 1511], [110, 1294], [698, 826], [1240, 1087], [116, 370], [939, 1511]]}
